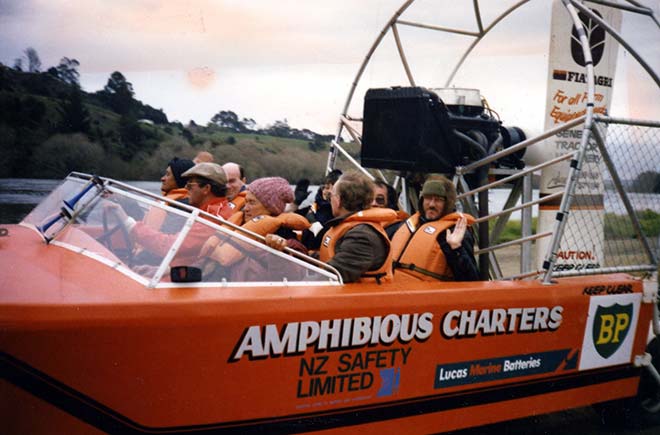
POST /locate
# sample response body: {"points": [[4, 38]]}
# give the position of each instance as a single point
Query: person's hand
{"points": [[116, 209], [455, 238], [209, 246], [276, 242], [145, 270]]}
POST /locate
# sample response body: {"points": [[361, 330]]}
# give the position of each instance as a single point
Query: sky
{"points": [[296, 60]]}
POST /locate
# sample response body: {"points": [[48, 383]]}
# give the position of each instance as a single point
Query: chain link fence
{"points": [[613, 223]]}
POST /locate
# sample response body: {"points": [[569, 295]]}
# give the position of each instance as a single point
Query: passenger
{"points": [[321, 210], [235, 185], [173, 186], [266, 199], [207, 187], [203, 157], [434, 243], [300, 194], [355, 243], [385, 197]]}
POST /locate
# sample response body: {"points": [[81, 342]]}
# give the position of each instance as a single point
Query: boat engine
{"points": [[432, 130]]}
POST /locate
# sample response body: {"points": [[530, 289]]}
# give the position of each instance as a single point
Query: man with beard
{"points": [[434, 243]]}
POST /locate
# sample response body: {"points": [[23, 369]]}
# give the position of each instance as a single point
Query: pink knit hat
{"points": [[273, 192]]}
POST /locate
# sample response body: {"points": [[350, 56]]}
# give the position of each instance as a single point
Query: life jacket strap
{"points": [[414, 268]]}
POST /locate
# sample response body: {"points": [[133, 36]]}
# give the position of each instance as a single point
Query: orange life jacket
{"points": [[227, 254], [374, 217], [238, 202], [416, 251], [177, 194], [156, 216], [217, 206]]}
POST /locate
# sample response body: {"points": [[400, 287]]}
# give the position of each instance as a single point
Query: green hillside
{"points": [[50, 127]]}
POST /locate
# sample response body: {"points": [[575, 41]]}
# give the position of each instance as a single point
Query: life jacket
{"points": [[227, 254], [375, 218], [400, 216], [177, 194], [238, 202], [156, 216], [217, 206], [416, 251]]}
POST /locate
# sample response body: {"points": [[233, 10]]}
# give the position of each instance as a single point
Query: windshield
{"points": [[144, 237]]}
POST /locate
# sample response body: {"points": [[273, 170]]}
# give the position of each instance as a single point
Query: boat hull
{"points": [[92, 350]]}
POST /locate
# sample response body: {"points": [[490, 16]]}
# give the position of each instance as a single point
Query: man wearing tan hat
{"points": [[434, 243], [207, 186]]}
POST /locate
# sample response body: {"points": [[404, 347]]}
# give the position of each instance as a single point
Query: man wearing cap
{"points": [[434, 244], [207, 186], [235, 185], [206, 183]]}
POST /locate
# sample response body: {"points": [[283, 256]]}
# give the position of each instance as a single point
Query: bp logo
{"points": [[611, 325], [595, 35]]}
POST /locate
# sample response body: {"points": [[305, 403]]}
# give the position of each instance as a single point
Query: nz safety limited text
{"points": [[331, 374]]}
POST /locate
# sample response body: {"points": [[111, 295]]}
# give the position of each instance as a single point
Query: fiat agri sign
{"points": [[566, 100]]}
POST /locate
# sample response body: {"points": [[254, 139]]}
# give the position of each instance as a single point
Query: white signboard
{"points": [[566, 100]]}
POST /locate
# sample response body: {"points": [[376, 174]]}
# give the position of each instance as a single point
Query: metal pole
{"points": [[526, 226], [576, 165]]}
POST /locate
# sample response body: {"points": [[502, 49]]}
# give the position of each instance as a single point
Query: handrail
{"points": [[516, 176], [513, 242], [520, 207]]}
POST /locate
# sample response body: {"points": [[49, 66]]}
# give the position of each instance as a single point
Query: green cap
{"points": [[434, 187]]}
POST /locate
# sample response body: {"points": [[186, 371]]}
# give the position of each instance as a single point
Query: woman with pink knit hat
{"points": [[262, 214]]}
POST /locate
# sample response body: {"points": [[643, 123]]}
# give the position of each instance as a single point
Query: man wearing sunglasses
{"points": [[385, 197], [207, 189]]}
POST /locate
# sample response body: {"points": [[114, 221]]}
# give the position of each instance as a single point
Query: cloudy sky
{"points": [[272, 60]]}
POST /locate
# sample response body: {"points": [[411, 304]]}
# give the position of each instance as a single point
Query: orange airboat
{"points": [[98, 337]]}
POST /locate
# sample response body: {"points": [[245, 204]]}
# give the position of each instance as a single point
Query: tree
{"points": [[18, 64], [647, 182], [227, 119], [120, 92], [34, 63], [279, 129], [249, 124], [187, 134], [75, 117], [67, 71], [61, 154], [131, 137]]}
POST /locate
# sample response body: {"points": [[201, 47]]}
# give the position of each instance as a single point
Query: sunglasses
{"points": [[190, 184]]}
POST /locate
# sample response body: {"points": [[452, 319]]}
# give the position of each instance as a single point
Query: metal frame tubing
{"points": [[576, 165]]}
